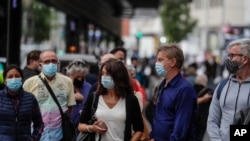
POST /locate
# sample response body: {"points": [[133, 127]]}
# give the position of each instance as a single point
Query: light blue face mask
{"points": [[107, 82], [160, 69], [14, 84], [50, 69]]}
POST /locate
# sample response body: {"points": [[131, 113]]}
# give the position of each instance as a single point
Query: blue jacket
{"points": [[175, 111], [15, 125]]}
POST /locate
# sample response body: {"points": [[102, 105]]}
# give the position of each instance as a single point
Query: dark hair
{"points": [[119, 74], [10, 67], [113, 51], [194, 65], [133, 58], [33, 55]]}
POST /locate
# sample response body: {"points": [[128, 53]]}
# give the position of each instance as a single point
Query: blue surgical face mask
{"points": [[50, 69], [14, 84], [160, 69], [107, 82]]}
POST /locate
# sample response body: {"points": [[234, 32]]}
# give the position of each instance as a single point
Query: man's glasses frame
{"points": [[231, 55]]}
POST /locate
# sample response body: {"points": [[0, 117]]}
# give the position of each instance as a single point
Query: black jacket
{"points": [[242, 117], [27, 73]]}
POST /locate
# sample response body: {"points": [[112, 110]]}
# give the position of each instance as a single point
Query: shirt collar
{"points": [[44, 77], [173, 82]]}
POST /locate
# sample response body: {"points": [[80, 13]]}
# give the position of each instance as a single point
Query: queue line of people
{"points": [[115, 90], [119, 114]]}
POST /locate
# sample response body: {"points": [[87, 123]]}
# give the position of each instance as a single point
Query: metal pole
{"points": [[223, 21], [8, 31]]}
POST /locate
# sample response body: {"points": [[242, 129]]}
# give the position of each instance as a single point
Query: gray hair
{"points": [[131, 70], [73, 69], [76, 66], [244, 45]]}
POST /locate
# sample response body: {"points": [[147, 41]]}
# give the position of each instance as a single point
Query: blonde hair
{"points": [[201, 79]]}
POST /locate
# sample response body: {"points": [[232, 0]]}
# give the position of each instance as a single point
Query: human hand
{"points": [[100, 127], [80, 112], [102, 124], [206, 97], [79, 96]]}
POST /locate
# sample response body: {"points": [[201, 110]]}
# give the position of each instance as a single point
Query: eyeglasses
{"points": [[231, 55], [53, 61], [77, 63]]}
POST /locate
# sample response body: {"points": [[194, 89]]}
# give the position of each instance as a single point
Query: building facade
{"points": [[219, 21]]}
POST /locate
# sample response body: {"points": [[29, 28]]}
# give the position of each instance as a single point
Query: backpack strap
{"points": [[220, 87]]}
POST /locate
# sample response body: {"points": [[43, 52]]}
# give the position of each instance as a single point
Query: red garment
{"points": [[137, 87]]}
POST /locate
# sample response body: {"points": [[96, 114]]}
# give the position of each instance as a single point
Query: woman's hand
{"points": [[204, 98], [78, 96], [99, 127]]}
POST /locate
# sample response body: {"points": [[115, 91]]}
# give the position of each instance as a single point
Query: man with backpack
{"points": [[232, 94]]}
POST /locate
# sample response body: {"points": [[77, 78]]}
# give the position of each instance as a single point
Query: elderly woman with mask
{"points": [[76, 70]]}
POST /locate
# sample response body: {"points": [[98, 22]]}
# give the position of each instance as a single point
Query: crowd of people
{"points": [[176, 107]]}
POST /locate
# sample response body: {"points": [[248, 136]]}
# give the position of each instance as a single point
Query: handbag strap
{"points": [[93, 109], [52, 94], [94, 104]]}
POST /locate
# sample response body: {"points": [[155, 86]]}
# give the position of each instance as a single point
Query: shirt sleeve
{"points": [[186, 104], [86, 113], [137, 120], [71, 96], [38, 124], [214, 116]]}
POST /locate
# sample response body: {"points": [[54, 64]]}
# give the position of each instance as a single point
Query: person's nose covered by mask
{"points": [[232, 66], [107, 82], [77, 83], [50, 69], [160, 69], [14, 84]]}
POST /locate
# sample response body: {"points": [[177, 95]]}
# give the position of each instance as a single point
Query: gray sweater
{"points": [[234, 97]]}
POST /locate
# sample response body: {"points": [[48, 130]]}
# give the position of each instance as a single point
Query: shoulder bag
{"points": [[90, 136], [68, 128]]}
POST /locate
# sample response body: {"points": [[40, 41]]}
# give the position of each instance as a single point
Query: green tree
{"points": [[176, 19], [42, 18]]}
